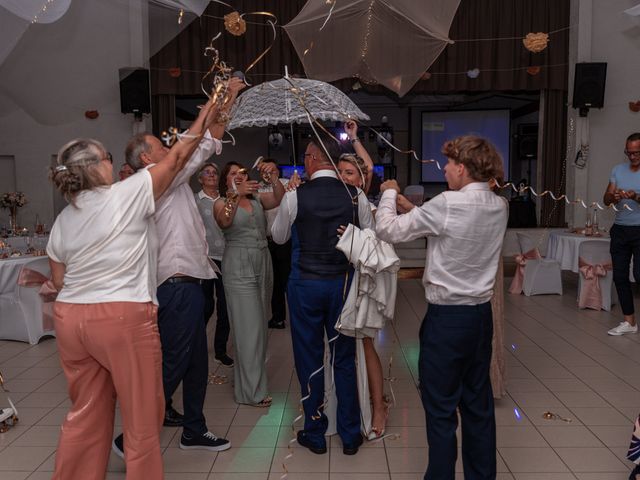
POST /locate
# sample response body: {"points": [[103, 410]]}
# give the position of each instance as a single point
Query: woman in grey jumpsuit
{"points": [[248, 274]]}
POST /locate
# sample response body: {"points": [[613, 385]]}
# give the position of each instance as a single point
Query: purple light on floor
{"points": [[517, 414]]}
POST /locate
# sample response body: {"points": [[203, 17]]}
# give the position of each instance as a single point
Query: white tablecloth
{"points": [[563, 246], [21, 307]]}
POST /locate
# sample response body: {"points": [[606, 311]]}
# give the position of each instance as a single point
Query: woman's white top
{"points": [[107, 243]]}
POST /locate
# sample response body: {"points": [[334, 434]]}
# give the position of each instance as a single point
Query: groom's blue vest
{"points": [[323, 205]]}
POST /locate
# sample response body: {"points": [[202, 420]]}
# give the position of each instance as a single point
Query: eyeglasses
{"points": [[108, 157], [634, 153], [208, 173]]}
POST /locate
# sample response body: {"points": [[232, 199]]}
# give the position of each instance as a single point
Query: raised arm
{"points": [[271, 199], [235, 85], [427, 220], [166, 169], [351, 129]]}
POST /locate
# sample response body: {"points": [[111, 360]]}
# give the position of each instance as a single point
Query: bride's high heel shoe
{"points": [[376, 431]]}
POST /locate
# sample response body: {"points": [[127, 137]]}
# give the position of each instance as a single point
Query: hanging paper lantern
{"points": [[175, 72], [235, 24], [536, 42], [473, 73], [533, 70], [634, 106]]}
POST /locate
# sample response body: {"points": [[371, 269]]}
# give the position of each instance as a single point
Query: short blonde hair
{"points": [[357, 162], [76, 168], [478, 155]]}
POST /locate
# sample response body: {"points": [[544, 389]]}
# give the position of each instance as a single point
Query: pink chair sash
{"points": [[47, 292], [591, 293], [521, 261]]}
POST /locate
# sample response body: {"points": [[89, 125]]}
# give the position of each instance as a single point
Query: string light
{"points": [[42, 10], [365, 43]]}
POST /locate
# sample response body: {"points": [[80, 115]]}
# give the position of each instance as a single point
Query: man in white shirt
{"points": [[311, 216], [208, 177], [466, 228], [183, 266]]}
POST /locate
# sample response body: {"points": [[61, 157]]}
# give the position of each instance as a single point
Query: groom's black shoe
{"points": [[352, 448], [304, 441]]}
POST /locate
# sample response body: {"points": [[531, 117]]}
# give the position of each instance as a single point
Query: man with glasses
{"points": [[209, 177], [623, 191]]}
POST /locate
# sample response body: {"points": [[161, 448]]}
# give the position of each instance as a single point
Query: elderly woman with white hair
{"points": [[102, 257]]}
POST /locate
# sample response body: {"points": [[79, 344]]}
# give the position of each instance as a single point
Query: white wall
{"points": [[30, 141], [603, 34]]}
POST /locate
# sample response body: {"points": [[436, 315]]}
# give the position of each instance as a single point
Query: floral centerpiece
{"points": [[11, 201]]}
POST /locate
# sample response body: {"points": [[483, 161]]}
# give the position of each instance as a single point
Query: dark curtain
{"points": [[475, 19], [163, 112], [553, 156], [186, 51]]}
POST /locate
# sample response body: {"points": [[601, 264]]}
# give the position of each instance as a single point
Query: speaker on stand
{"points": [[527, 149]]}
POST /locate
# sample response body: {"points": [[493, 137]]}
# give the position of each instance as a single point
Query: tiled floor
{"points": [[559, 358]]}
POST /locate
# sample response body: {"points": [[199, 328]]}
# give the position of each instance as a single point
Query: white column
{"points": [[581, 19]]}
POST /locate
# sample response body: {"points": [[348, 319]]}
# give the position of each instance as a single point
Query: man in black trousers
{"points": [[466, 227]]}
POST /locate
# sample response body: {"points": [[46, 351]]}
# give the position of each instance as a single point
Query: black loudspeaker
{"points": [[588, 86], [134, 91], [527, 140]]}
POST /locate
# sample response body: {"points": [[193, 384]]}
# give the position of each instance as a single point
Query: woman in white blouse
{"points": [[102, 257]]}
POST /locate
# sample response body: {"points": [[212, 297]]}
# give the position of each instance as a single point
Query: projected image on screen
{"points": [[438, 127]]}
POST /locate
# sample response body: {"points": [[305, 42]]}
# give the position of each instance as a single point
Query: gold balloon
{"points": [[536, 42], [235, 24]]}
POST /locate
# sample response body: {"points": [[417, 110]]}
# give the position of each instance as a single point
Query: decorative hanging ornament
{"points": [[473, 73], [536, 42], [235, 24], [533, 70], [175, 72], [634, 106]]}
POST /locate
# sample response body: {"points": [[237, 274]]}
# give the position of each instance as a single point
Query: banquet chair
{"points": [[415, 194], [541, 275], [595, 276], [21, 306]]}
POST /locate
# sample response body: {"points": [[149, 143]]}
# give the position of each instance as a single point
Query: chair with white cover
{"points": [[595, 279], [25, 307], [415, 194], [535, 275]]}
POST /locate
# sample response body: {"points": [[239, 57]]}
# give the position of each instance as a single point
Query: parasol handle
{"points": [[286, 71]]}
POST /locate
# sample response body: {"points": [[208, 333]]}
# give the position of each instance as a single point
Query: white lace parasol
{"points": [[292, 100]]}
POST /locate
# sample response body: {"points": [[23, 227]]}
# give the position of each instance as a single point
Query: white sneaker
{"points": [[623, 328]]}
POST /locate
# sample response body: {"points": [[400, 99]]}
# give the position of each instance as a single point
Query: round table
{"points": [[564, 246]]}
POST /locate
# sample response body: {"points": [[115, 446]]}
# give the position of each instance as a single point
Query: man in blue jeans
{"points": [[623, 191], [465, 229]]}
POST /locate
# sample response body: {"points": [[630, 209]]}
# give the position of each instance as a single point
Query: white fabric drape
{"points": [[391, 42], [372, 297]]}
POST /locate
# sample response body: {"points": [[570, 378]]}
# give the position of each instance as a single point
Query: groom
{"points": [[316, 290]]}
